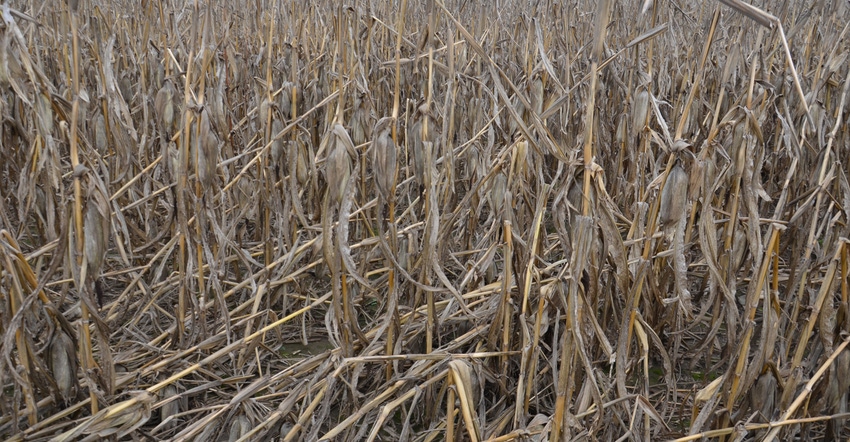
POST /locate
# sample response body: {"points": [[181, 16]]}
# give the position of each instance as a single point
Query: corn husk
{"points": [[417, 150], [640, 111], [622, 129], [165, 108], [265, 108], [207, 149], [125, 86], [278, 145], [360, 132], [208, 432], [738, 149], [298, 153], [63, 363], [384, 159], [96, 229], [338, 164], [171, 408], [421, 144], [45, 113], [763, 395], [536, 93], [496, 196], [285, 99], [236, 67], [100, 139], [520, 158], [673, 197], [215, 100], [172, 155], [238, 428]]}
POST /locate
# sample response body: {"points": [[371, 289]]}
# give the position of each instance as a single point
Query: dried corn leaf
{"points": [[120, 420]]}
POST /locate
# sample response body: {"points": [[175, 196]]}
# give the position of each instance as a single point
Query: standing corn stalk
{"points": [[341, 154], [385, 169]]}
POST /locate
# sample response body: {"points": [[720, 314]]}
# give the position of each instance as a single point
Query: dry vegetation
{"points": [[433, 220]]}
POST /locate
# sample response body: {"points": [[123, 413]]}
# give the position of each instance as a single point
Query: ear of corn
{"points": [[640, 111], [97, 229], [674, 197], [239, 427], [172, 408], [384, 159], [63, 364], [165, 106], [338, 164], [207, 148]]}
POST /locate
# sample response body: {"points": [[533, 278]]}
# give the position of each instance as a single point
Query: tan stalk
{"points": [[263, 167], [528, 345], [393, 289], [182, 205], [16, 300], [804, 394], [450, 409], [752, 305], [86, 357], [599, 32]]}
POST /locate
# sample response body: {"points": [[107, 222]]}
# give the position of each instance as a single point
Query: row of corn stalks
{"points": [[424, 220]]}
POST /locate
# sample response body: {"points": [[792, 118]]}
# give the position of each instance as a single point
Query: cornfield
{"points": [[424, 220]]}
